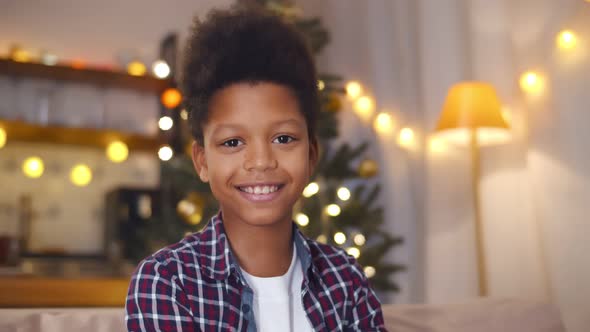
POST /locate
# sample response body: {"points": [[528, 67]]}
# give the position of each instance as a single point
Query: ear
{"points": [[314, 154], [200, 162]]}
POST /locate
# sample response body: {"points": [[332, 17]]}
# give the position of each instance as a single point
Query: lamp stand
{"points": [[475, 178]]}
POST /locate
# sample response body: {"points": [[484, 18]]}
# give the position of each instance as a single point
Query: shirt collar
{"points": [[217, 260]]}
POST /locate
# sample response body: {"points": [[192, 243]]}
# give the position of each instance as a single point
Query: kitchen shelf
{"points": [[87, 75]]}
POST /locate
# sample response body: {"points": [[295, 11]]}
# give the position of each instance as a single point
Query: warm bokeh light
{"points": [[33, 167], [20, 55], [2, 137], [369, 271], [81, 175], [354, 252], [437, 145], [117, 152], [364, 107], [321, 85], [359, 239], [343, 193], [322, 239], [507, 115], [384, 124], [165, 153], [189, 211], [566, 40], [165, 123], [184, 114], [171, 98], [302, 219], [311, 189], [49, 59], [333, 210], [78, 64], [136, 68], [532, 83], [406, 138], [160, 69], [353, 90], [339, 238]]}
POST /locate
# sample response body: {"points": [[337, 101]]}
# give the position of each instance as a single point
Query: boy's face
{"points": [[256, 153]]}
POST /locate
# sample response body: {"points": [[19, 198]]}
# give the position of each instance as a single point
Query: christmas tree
{"points": [[339, 205]]}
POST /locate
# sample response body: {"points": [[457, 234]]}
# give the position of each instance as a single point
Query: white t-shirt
{"points": [[278, 304]]}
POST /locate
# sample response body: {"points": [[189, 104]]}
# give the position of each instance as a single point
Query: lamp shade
{"points": [[473, 106]]}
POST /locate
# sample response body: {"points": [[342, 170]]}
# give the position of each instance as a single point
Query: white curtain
{"points": [[535, 191]]}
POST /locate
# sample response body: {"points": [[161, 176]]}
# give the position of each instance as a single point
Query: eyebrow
{"points": [[275, 124]]}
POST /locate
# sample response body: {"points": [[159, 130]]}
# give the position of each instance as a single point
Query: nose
{"points": [[260, 157]]}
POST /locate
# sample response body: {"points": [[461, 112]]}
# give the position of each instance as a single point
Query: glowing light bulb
{"points": [[406, 138], [311, 189], [165, 123], [354, 252], [117, 151], [333, 210], [369, 271], [566, 40], [302, 219], [81, 175], [2, 137], [33, 167], [160, 69], [171, 97], [364, 107], [532, 83], [384, 124], [184, 114], [359, 239], [136, 68], [339, 238], [165, 153], [321, 85], [353, 90], [343, 193]]}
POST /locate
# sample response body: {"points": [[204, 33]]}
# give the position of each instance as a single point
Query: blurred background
{"points": [[454, 137]]}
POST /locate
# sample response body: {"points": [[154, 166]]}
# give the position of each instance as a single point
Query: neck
{"points": [[262, 251]]}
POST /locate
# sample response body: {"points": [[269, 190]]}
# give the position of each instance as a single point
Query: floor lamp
{"points": [[472, 115]]}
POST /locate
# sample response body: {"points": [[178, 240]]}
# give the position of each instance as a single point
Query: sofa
{"points": [[481, 315]]}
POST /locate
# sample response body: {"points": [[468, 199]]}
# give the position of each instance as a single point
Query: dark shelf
{"points": [[87, 75], [24, 132]]}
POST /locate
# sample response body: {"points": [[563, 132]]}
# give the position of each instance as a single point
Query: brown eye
{"points": [[232, 143], [283, 139]]}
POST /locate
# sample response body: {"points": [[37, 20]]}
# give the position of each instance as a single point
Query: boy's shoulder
{"points": [[330, 259]]}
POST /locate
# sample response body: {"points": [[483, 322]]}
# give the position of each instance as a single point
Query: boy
{"points": [[250, 88]]}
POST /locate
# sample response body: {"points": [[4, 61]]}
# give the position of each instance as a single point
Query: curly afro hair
{"points": [[246, 44]]}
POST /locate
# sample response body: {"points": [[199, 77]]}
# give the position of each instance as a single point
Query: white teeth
{"points": [[260, 190]]}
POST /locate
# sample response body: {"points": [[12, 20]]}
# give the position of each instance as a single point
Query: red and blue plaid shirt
{"points": [[196, 285]]}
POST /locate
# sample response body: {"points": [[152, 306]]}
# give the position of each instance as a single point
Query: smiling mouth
{"points": [[260, 189]]}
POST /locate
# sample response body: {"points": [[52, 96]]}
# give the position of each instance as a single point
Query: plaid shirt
{"points": [[196, 285]]}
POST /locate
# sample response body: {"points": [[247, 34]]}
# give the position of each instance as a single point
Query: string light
{"points": [[136, 68], [165, 153], [302, 219], [359, 239], [321, 85], [165, 123], [117, 151], [81, 175], [171, 98], [343, 193], [339, 238], [160, 69], [354, 252], [353, 90], [19, 55], [566, 40], [364, 107], [369, 271], [333, 210], [49, 59], [532, 83], [384, 124], [322, 239], [406, 138], [2, 137], [311, 189], [33, 167]]}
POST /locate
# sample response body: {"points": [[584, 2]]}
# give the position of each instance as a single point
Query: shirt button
{"points": [[246, 308]]}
